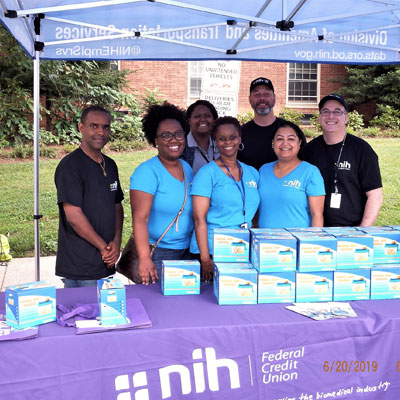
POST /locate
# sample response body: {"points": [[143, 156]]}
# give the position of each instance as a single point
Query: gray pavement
{"points": [[22, 270]]}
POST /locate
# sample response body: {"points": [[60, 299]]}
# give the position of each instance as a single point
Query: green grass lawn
{"points": [[16, 196]]}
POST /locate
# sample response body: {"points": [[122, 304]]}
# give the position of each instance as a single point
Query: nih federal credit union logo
{"points": [[197, 378]]}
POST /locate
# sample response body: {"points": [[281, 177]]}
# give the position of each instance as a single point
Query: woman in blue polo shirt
{"points": [[292, 191], [157, 193], [224, 192]]}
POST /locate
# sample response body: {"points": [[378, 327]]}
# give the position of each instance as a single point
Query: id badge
{"points": [[245, 225], [335, 200]]}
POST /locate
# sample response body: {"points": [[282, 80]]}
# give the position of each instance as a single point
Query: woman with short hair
{"points": [[200, 147], [224, 192]]}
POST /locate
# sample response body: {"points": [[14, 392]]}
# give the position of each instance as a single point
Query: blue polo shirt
{"points": [[226, 200], [153, 178], [284, 201]]}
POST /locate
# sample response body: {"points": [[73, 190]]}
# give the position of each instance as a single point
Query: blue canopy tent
{"points": [[318, 31]]}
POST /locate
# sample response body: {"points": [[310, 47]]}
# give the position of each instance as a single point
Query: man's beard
{"points": [[263, 111]]}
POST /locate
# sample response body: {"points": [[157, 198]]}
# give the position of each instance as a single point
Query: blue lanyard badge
{"points": [[242, 191]]}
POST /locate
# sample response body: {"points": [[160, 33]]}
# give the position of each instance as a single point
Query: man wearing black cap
{"points": [[257, 134], [349, 167]]}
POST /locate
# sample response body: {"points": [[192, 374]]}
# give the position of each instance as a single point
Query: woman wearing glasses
{"points": [[157, 192], [292, 191], [224, 192]]}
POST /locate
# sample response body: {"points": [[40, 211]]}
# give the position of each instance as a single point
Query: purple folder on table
{"points": [[136, 315], [9, 333]]}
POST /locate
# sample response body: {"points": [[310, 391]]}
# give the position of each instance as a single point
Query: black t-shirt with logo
{"points": [[358, 172], [80, 181]]}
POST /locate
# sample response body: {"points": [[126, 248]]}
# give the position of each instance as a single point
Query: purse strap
{"points": [[177, 215]]}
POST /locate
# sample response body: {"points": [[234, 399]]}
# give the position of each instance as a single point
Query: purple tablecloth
{"points": [[199, 350]]}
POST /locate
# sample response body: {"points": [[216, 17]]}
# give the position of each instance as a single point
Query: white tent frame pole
{"points": [[72, 7], [3, 6], [178, 4], [245, 32], [347, 15], [36, 157]]}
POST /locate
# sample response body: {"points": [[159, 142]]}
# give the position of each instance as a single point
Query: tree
{"points": [[378, 83], [68, 87]]}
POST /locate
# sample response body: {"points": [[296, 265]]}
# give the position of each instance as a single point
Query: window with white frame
{"points": [[195, 76], [303, 83]]}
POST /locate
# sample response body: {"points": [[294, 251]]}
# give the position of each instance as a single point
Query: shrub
{"points": [[246, 117], [314, 121], [47, 137], [122, 145], [21, 151], [151, 97], [355, 122], [311, 133], [393, 133], [372, 131], [292, 115], [387, 118], [69, 148], [48, 152], [127, 127]]}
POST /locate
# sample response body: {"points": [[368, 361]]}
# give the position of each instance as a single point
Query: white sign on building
{"points": [[220, 85]]}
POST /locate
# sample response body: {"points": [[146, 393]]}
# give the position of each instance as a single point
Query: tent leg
{"points": [[36, 116]]}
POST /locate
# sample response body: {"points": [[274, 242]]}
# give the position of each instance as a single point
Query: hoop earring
{"points": [[241, 146]]}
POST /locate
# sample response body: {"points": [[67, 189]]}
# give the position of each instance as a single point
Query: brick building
{"points": [[297, 85]]}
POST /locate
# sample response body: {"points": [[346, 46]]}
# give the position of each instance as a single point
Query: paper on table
{"points": [[9, 333], [323, 311], [136, 314]]}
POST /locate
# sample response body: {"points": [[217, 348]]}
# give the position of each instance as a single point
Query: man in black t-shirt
{"points": [[349, 167], [257, 134], [89, 198]]}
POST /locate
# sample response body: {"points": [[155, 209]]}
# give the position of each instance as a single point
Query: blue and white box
{"points": [[354, 251], [235, 283], [180, 277], [385, 281], [352, 284], [111, 299], [386, 244], [231, 245], [316, 252], [314, 286], [30, 304], [274, 253], [277, 287]]}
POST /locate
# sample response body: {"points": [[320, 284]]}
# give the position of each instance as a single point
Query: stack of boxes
{"points": [[306, 264], [235, 279], [385, 273]]}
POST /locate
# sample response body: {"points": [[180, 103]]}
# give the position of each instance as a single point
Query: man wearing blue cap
{"points": [[257, 134], [349, 167]]}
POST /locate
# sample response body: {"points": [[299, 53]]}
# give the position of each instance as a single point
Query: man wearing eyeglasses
{"points": [[349, 167]]}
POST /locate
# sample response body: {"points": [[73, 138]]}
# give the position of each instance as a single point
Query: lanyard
{"points": [[205, 155], [335, 179], [242, 191]]}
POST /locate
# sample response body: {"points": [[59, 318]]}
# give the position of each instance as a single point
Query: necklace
{"points": [[102, 163]]}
